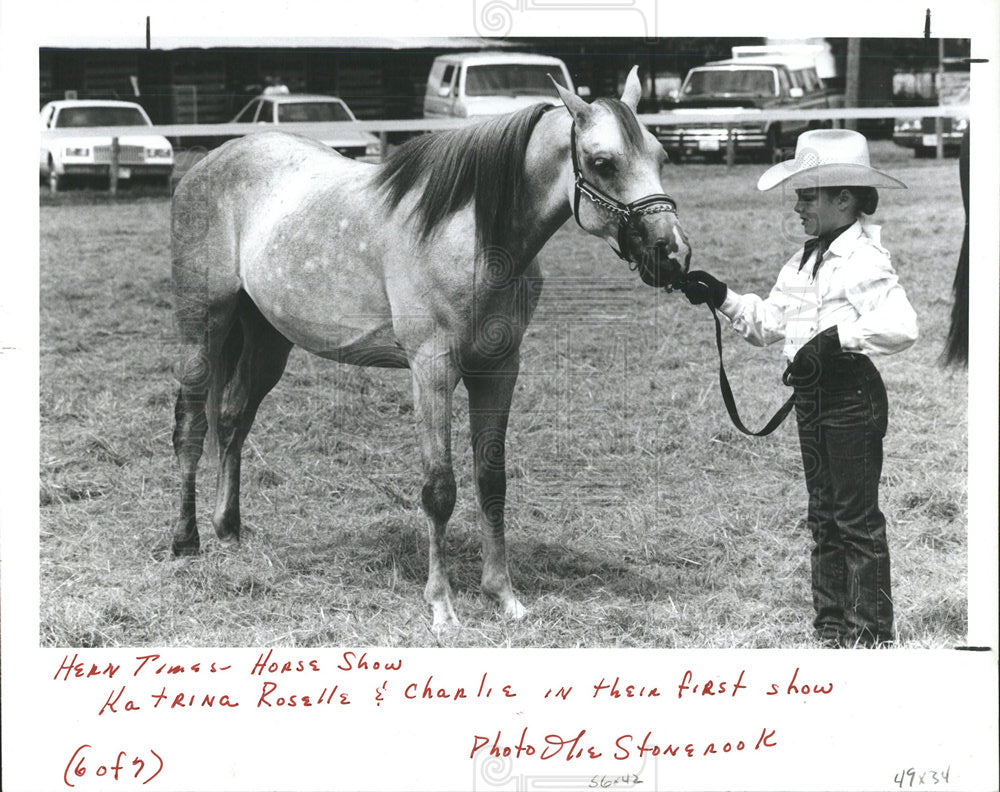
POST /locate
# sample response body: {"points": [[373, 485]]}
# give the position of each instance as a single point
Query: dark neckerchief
{"points": [[820, 244]]}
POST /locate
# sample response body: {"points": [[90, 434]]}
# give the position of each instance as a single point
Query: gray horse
{"points": [[425, 262]]}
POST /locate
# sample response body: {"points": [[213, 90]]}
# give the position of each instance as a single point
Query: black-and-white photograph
{"points": [[449, 375], [500, 396]]}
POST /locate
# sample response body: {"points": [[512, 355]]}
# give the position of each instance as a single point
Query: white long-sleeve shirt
{"points": [[855, 289]]}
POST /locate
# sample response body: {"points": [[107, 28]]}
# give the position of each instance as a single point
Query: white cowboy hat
{"points": [[828, 158]]}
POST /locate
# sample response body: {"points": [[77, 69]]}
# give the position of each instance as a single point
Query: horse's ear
{"points": [[576, 106], [633, 89]]}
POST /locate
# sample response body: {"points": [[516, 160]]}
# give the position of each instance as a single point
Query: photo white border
{"points": [[926, 707]]}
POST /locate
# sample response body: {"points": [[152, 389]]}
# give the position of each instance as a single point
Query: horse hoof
{"points": [[229, 541], [446, 626], [180, 549], [444, 617], [228, 533], [514, 610]]}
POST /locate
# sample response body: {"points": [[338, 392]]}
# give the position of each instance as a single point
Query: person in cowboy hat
{"points": [[836, 305]]}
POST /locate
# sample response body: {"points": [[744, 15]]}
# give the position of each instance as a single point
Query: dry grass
{"points": [[637, 515]]}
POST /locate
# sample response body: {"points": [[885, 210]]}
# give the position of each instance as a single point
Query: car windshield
{"points": [[512, 79], [100, 116], [725, 82], [313, 111]]}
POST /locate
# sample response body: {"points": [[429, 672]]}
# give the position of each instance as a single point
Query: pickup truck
{"points": [[751, 83], [919, 134]]}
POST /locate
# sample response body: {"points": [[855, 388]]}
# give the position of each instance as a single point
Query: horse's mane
{"points": [[483, 163]]}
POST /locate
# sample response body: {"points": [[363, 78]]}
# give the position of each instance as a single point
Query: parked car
{"points": [[467, 84], [290, 108], [919, 134], [763, 82], [70, 154]]}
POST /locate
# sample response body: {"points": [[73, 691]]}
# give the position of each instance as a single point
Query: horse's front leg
{"points": [[434, 380], [489, 405]]}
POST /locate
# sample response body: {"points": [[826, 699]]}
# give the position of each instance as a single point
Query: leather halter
{"points": [[627, 214]]}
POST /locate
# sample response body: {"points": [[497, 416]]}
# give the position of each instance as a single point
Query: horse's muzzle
{"points": [[664, 265]]}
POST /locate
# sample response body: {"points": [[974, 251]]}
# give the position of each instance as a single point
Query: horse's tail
{"points": [[213, 400], [204, 312], [956, 350], [224, 351]]}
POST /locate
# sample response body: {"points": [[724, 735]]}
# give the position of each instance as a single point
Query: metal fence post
{"points": [[113, 172], [939, 121], [730, 146], [383, 145]]}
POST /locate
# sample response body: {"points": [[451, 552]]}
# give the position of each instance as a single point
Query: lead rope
{"points": [[727, 392]]}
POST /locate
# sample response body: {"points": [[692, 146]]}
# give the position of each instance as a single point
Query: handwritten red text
{"points": [[82, 767]]}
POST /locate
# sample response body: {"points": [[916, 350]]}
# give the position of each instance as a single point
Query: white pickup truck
{"points": [[468, 84]]}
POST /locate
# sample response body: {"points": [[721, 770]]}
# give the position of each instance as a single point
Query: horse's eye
{"points": [[604, 167]]}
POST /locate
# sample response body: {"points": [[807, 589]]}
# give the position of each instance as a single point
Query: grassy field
{"points": [[637, 516]]}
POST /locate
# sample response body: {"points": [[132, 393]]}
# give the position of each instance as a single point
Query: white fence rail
{"points": [[722, 117], [670, 118]]}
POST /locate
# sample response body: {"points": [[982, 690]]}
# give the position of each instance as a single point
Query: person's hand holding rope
{"points": [[699, 287], [806, 368]]}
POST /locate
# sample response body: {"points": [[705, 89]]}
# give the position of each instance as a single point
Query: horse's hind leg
{"points": [[260, 365], [204, 330], [434, 380], [489, 406], [190, 426]]}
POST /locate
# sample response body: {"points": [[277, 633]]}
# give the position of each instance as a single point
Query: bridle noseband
{"points": [[627, 214]]}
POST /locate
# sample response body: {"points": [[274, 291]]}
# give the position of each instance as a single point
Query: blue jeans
{"points": [[842, 417]]}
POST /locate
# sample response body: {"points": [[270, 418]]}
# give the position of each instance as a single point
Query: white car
{"points": [[468, 84], [64, 152], [289, 108]]}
